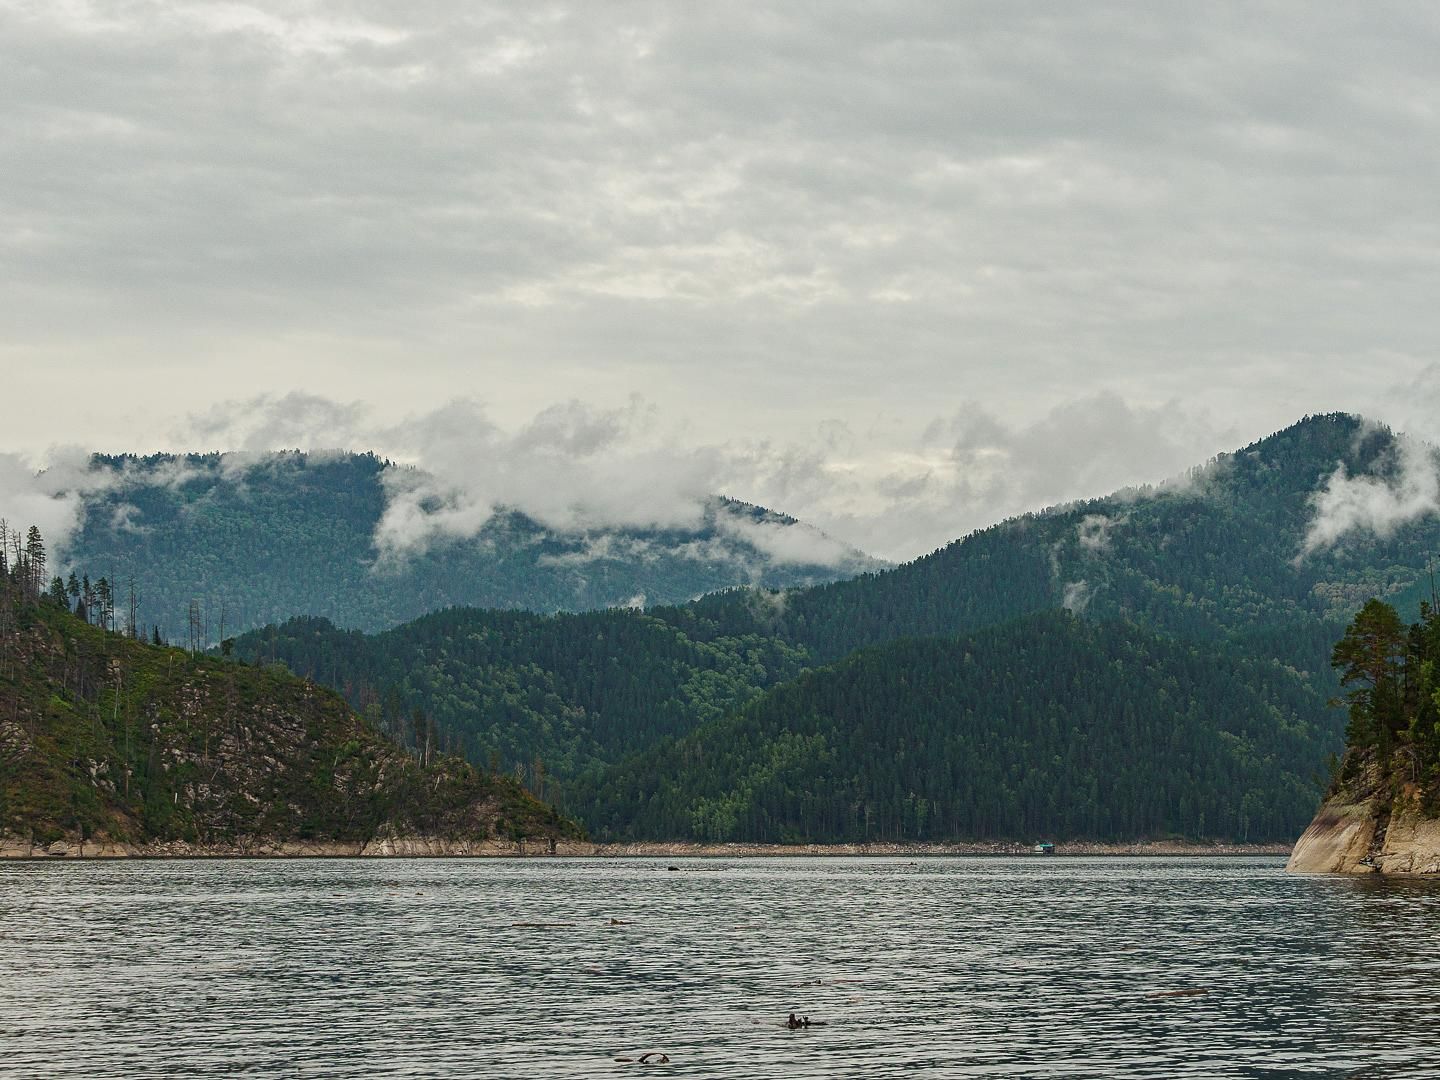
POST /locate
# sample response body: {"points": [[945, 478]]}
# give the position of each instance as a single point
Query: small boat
{"points": [[1043, 849]]}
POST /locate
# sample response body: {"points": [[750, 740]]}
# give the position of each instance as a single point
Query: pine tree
{"points": [[35, 559], [1371, 660]]}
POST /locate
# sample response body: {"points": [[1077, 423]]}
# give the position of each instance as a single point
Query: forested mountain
{"points": [[556, 694], [1048, 726], [106, 740], [293, 534], [1211, 556], [1209, 564]]}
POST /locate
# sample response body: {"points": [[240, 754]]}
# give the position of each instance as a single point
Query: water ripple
{"points": [[523, 968]]}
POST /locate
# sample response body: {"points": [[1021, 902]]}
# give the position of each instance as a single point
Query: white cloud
{"points": [[1076, 597], [1093, 532], [1375, 504], [49, 493], [874, 214], [892, 490]]}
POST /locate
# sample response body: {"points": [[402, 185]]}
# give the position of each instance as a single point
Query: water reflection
{"points": [[958, 967]]}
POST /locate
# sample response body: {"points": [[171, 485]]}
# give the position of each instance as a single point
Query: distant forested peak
{"points": [[252, 538]]}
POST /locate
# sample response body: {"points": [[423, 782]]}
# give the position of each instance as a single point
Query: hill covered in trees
{"points": [[109, 741], [259, 540], [1047, 726], [1212, 565], [1219, 554]]}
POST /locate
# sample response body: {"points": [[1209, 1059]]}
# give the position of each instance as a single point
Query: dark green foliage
{"points": [[1211, 558], [1210, 565], [1372, 659], [293, 535], [572, 691], [105, 737], [1394, 704], [1045, 727]]}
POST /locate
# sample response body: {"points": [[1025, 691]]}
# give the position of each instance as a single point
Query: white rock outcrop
{"points": [[1367, 838]]}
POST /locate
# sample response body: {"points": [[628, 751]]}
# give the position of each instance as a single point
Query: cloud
{"points": [[878, 212], [125, 517], [585, 470], [581, 469], [572, 468], [49, 493], [1093, 532], [1375, 504], [1076, 597], [970, 468], [257, 426], [786, 543]]}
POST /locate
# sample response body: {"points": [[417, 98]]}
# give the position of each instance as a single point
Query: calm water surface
{"points": [[951, 967]]}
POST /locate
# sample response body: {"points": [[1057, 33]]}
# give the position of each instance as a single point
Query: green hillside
{"points": [[1209, 564], [1049, 726], [560, 693], [1392, 690], [293, 534], [105, 738], [1213, 556]]}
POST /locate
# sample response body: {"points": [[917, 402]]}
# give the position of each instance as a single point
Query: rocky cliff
{"points": [[1375, 823]]}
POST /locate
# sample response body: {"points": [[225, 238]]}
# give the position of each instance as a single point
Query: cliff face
{"points": [[1375, 824], [111, 746]]}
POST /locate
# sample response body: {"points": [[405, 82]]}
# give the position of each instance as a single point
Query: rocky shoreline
{"points": [[443, 847], [1369, 837]]}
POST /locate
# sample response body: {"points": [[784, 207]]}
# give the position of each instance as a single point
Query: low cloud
{"points": [[969, 469], [125, 517], [572, 469], [1076, 597], [583, 471], [786, 543], [599, 549], [1375, 504], [49, 493], [1093, 532]]}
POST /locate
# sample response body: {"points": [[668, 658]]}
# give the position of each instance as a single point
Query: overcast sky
{"points": [[900, 269]]}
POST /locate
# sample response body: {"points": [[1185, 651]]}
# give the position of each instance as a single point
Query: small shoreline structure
{"points": [[444, 847]]}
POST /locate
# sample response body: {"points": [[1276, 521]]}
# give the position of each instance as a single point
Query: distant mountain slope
{"points": [[293, 534], [1210, 564], [1214, 556], [108, 740], [1049, 726], [571, 692]]}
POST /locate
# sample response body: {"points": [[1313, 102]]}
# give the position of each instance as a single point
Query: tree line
{"points": [[1390, 671], [1049, 726]]}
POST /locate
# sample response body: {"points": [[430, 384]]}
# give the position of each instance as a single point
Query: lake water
{"points": [[1024, 967]]}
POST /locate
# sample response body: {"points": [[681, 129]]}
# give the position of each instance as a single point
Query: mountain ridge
{"points": [[1211, 564], [255, 541]]}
